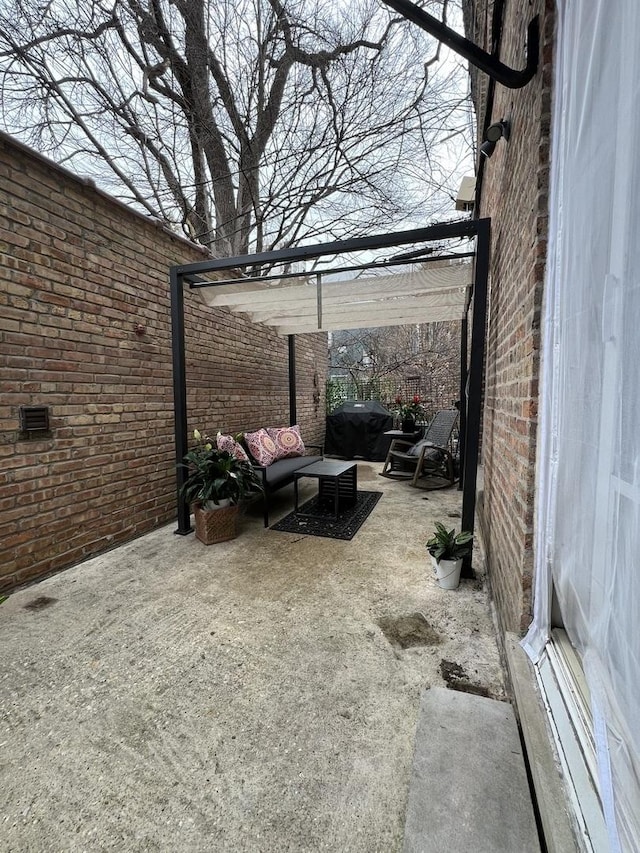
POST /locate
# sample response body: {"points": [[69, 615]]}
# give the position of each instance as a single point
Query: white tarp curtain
{"points": [[425, 293], [588, 513]]}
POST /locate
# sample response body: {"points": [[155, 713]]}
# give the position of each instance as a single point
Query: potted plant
{"points": [[215, 485], [447, 548], [409, 412]]}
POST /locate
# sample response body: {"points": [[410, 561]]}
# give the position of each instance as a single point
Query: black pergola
{"points": [[194, 275]]}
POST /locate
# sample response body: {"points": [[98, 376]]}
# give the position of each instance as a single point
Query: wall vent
{"points": [[34, 418]]}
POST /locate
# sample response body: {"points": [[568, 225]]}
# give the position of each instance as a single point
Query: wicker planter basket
{"points": [[216, 525]]}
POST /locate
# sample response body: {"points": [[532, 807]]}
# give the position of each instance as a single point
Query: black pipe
{"points": [[509, 77]]}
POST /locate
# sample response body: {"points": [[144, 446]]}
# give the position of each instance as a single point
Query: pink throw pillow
{"points": [[287, 440], [228, 443], [261, 447]]}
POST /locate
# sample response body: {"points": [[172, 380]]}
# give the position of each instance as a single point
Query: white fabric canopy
{"points": [[431, 292], [588, 513]]}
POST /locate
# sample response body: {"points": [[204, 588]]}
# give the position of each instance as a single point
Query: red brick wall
{"points": [[78, 272], [514, 195]]}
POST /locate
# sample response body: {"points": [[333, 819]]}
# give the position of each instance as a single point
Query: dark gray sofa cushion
{"points": [[284, 469]]}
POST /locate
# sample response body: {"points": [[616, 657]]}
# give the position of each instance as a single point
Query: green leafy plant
{"points": [[449, 545], [216, 475]]}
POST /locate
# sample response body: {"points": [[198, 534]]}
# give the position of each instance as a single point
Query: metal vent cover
{"points": [[34, 418]]}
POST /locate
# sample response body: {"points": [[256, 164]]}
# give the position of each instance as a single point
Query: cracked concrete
{"points": [[171, 696]]}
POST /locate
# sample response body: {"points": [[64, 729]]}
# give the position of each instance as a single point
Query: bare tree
{"points": [[399, 360], [248, 124]]}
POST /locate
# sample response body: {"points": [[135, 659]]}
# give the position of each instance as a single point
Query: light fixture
{"points": [[498, 130], [466, 194]]}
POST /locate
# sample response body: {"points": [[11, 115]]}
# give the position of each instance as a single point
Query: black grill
{"points": [[356, 429]]}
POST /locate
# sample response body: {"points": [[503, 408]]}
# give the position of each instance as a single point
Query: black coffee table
{"points": [[337, 485]]}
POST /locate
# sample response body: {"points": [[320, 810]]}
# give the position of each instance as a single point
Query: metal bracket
{"points": [[509, 77]]}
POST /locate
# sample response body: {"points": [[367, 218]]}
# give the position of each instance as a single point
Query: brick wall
{"points": [[79, 273], [514, 195]]}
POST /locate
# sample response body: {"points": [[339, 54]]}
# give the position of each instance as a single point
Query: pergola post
{"points": [[293, 412], [474, 396], [179, 395], [462, 402]]}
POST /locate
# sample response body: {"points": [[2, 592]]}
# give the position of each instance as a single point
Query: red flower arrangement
{"points": [[412, 409]]}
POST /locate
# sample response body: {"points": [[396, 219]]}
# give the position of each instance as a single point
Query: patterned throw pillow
{"points": [[228, 443], [261, 447], [287, 440]]}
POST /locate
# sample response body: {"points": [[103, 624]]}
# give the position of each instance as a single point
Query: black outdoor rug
{"points": [[324, 524]]}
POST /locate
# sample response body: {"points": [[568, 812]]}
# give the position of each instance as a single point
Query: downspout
{"points": [[496, 38], [487, 62]]}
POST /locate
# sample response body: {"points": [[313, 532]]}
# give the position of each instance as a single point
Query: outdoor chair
{"points": [[429, 459]]}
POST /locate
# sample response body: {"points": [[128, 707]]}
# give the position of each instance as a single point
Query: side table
{"points": [[337, 485]]}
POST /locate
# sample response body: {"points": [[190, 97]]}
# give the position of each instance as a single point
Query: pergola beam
{"points": [[446, 231]]}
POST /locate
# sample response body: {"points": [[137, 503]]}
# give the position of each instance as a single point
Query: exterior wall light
{"points": [[499, 130]]}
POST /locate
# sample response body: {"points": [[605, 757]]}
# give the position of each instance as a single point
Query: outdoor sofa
{"points": [[277, 453]]}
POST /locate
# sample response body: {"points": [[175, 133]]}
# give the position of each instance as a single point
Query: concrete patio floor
{"points": [[169, 696]]}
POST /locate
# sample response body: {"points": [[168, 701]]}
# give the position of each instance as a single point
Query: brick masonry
{"points": [[85, 329], [515, 195]]}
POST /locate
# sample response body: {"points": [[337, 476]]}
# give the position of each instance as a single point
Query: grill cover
{"points": [[355, 429]]}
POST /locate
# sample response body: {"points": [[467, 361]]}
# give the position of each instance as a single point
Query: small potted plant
{"points": [[409, 412], [216, 484], [447, 548]]}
